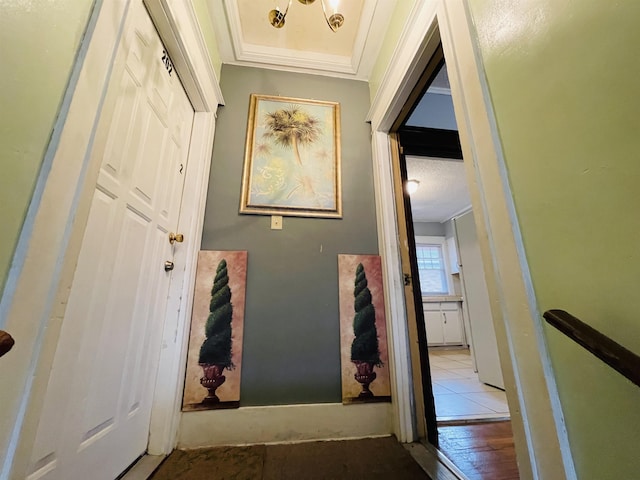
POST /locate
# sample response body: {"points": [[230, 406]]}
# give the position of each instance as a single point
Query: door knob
{"points": [[176, 237], [168, 266], [6, 342]]}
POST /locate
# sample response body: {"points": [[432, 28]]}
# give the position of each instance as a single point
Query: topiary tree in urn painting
{"points": [[215, 352], [365, 353]]}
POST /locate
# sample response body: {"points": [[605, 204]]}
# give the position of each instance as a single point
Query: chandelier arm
{"points": [[324, 10], [287, 10]]}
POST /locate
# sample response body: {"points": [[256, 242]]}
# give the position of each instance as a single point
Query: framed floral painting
{"points": [[292, 158]]}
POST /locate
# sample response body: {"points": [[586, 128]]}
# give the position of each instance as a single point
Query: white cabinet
{"points": [[443, 321]]}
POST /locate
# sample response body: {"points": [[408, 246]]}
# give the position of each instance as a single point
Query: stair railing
{"points": [[610, 352]]}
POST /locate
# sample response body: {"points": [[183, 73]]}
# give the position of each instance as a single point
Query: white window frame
{"points": [[442, 243]]}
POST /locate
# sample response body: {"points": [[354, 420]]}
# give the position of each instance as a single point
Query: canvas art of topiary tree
{"points": [[215, 352], [365, 353]]}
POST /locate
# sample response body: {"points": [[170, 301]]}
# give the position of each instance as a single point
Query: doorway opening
{"points": [[465, 406]]}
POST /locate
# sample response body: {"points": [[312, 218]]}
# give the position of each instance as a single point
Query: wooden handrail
{"points": [[6, 342], [610, 352]]}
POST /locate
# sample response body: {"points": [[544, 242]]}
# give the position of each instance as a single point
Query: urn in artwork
{"points": [[211, 379]]}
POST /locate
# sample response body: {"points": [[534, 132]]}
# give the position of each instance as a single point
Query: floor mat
{"points": [[370, 459]]}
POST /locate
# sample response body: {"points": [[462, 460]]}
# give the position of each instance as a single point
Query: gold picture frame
{"points": [[292, 158]]}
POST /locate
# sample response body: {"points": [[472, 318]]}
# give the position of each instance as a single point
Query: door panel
{"points": [[97, 407], [452, 325], [483, 337]]}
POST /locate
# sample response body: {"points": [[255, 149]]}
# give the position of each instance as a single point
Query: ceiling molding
{"points": [[234, 50], [459, 213], [439, 91], [246, 52]]}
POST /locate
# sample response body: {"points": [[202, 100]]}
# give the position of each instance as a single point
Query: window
{"points": [[432, 269]]}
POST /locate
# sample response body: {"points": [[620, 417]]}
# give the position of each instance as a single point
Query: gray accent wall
{"points": [[291, 349], [429, 229]]}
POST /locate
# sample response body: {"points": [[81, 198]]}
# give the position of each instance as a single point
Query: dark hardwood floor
{"points": [[483, 451]]}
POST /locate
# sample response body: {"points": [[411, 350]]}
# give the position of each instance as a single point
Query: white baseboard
{"points": [[284, 424]]}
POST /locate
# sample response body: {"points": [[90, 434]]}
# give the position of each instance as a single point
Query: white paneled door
{"points": [[97, 407]]}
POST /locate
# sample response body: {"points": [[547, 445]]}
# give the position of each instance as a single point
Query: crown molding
{"points": [[235, 50]]}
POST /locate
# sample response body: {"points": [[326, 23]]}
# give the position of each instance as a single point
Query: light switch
{"points": [[276, 222]]}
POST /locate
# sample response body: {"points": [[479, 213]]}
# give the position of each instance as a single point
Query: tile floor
{"points": [[458, 393]]}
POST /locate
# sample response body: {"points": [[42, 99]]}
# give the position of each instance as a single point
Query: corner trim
{"points": [[179, 29], [399, 351]]}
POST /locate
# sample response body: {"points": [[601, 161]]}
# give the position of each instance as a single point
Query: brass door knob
{"points": [[6, 342], [176, 237]]}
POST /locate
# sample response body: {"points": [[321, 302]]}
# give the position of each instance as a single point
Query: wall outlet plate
{"points": [[276, 222]]}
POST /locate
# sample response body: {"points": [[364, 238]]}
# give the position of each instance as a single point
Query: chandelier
{"points": [[335, 20]]}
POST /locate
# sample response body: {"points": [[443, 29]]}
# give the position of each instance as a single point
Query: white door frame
{"points": [[541, 440], [34, 301]]}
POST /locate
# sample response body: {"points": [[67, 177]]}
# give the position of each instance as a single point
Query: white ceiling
{"points": [[305, 43], [443, 191]]}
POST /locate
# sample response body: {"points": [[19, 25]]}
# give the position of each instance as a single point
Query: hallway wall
{"points": [[39, 41], [564, 90], [38, 46], [291, 336]]}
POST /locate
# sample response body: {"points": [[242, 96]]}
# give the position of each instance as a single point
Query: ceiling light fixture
{"points": [[335, 20], [412, 186]]}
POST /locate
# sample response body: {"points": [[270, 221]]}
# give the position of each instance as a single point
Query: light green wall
{"points": [[38, 44], [563, 78], [392, 35], [204, 19]]}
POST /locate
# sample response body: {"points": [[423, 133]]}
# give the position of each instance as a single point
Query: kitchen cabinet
{"points": [[443, 322]]}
